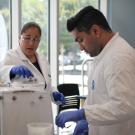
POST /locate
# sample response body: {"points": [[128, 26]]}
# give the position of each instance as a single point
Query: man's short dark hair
{"points": [[87, 17]]}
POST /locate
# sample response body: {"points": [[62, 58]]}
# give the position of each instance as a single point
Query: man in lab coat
{"points": [[110, 105], [24, 63]]}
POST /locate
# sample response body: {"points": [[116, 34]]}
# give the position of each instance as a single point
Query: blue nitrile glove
{"points": [[81, 128], [58, 98], [21, 71], [64, 117]]}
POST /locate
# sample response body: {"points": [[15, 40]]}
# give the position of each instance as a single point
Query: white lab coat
{"points": [[17, 57], [110, 105]]}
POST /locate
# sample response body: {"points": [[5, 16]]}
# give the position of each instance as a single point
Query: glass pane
{"points": [[37, 11], [70, 56], [4, 27]]}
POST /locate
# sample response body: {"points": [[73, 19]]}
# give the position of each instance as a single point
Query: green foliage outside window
{"points": [[37, 11], [67, 9]]}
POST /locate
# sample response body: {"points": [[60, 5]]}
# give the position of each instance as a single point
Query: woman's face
{"points": [[29, 41]]}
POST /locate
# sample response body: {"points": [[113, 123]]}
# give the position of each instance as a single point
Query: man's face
{"points": [[29, 41], [89, 42]]}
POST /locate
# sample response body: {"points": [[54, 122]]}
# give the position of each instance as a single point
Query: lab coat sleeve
{"points": [[5, 73], [5, 67], [120, 84]]}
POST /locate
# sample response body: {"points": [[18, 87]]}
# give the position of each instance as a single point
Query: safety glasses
{"points": [[28, 39]]}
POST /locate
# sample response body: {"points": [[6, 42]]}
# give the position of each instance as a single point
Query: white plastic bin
{"points": [[40, 129]]}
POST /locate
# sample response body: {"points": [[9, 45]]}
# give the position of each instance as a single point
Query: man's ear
{"points": [[96, 30]]}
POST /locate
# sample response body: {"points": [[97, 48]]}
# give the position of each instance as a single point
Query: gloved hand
{"points": [[81, 128], [64, 117], [58, 98], [21, 71]]}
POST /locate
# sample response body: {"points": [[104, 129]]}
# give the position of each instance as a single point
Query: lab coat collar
{"points": [[107, 47], [21, 54]]}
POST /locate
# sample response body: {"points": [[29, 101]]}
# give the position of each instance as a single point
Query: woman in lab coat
{"points": [[25, 55], [25, 62], [110, 105]]}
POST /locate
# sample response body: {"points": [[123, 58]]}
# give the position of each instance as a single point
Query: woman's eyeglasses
{"points": [[29, 39]]}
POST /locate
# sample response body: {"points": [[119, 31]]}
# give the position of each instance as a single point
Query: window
{"points": [[4, 27], [70, 56], [37, 11]]}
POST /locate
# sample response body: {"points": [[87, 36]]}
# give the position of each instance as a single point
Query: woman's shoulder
{"points": [[42, 59], [11, 52], [41, 56]]}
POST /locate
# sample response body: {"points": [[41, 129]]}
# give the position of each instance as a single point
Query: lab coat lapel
{"points": [[21, 54], [42, 65]]}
